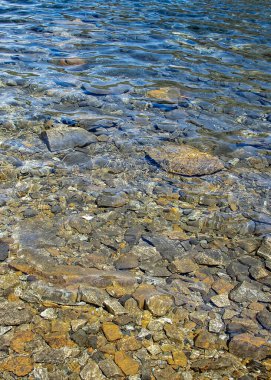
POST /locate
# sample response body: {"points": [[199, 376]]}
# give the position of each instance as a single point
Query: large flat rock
{"points": [[63, 137], [46, 268], [185, 160]]}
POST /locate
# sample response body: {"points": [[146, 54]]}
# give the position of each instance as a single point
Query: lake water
{"points": [[135, 153]]}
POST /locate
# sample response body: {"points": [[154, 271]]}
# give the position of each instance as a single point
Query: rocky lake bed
{"points": [[135, 228]]}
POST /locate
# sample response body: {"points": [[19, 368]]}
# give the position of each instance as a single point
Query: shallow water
{"points": [[217, 54]]}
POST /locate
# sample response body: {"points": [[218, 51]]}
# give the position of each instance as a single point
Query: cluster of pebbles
{"points": [[133, 250]]}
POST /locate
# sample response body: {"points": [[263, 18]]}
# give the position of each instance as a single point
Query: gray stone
{"points": [[83, 339], [248, 346], [221, 300], [91, 371], [40, 291], [265, 248], [4, 250], [110, 200], [110, 369], [114, 307], [264, 317], [14, 313], [93, 296], [211, 258], [249, 292], [166, 247], [63, 137], [126, 262]]}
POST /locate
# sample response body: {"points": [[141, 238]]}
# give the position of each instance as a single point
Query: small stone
{"points": [[93, 296], [166, 94], [265, 249], [229, 314], [111, 331], [211, 258], [77, 324], [126, 262], [221, 300], [110, 369], [258, 272], [183, 265], [154, 349], [49, 313], [159, 304], [116, 200], [216, 324], [248, 346], [114, 307], [91, 371], [205, 340], [264, 317], [222, 286], [72, 61], [127, 364], [83, 339], [14, 313], [58, 339], [128, 343], [185, 160], [179, 358], [20, 339], [4, 250]]}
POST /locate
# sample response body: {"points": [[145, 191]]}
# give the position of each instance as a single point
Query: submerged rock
{"points": [[72, 61], [165, 94], [185, 160], [63, 137]]}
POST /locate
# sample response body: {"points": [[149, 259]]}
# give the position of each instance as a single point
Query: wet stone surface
{"points": [[135, 228]]}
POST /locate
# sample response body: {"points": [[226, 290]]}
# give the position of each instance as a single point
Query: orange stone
{"points": [[127, 364], [20, 339], [58, 340], [111, 331], [19, 365], [222, 286], [179, 358]]}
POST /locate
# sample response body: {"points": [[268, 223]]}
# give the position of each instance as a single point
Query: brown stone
{"points": [[127, 364], [73, 61], [111, 331], [20, 339], [222, 286], [19, 365], [179, 358], [249, 346], [183, 265], [165, 94], [142, 293], [47, 268], [185, 160], [205, 340], [58, 340], [159, 304]]}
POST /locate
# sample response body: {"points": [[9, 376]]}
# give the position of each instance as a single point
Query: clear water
{"points": [[216, 53]]}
